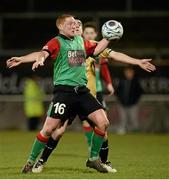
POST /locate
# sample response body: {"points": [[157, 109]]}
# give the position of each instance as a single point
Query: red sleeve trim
{"points": [[89, 47], [52, 47], [105, 73]]}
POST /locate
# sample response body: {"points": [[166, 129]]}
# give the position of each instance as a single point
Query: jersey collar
{"points": [[65, 37]]}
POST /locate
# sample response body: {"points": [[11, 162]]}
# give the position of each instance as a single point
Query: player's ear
{"points": [[60, 26]]}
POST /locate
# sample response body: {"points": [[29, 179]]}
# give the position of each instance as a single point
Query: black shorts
{"points": [[82, 117], [100, 98], [70, 101]]}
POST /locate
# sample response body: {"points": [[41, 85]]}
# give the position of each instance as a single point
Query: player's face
{"points": [[79, 30], [68, 27], [89, 33]]}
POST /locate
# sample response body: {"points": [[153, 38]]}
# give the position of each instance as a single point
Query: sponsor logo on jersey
{"points": [[76, 57]]}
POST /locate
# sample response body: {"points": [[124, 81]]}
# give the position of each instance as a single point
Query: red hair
{"points": [[61, 19]]}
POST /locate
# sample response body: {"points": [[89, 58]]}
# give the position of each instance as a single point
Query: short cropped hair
{"points": [[79, 22], [61, 19], [90, 25]]}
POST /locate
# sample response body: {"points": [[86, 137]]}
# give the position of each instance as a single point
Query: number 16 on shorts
{"points": [[56, 109]]}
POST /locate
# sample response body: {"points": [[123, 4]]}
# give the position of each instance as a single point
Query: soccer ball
{"points": [[112, 30]]}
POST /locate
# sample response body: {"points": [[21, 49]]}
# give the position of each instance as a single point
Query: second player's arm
{"points": [[101, 45], [121, 57], [143, 63]]}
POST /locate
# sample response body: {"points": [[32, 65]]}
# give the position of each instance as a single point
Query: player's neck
{"points": [[65, 36]]}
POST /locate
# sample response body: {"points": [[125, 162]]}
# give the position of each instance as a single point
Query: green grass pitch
{"points": [[134, 156]]}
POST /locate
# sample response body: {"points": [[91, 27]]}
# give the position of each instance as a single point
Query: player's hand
{"points": [[13, 61], [37, 64], [39, 61], [110, 88], [60, 131], [146, 65]]}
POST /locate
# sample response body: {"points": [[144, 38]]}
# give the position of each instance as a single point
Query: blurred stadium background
{"points": [[26, 25]]}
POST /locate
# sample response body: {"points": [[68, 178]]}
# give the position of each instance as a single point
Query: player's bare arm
{"points": [[143, 63], [101, 45], [35, 56], [42, 56]]}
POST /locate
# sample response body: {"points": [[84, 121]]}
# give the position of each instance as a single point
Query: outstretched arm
{"points": [[121, 57], [50, 49], [32, 57], [143, 63]]}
